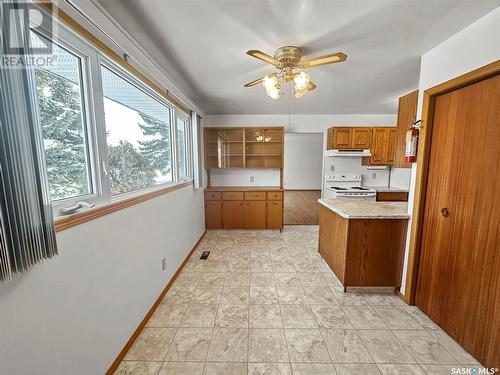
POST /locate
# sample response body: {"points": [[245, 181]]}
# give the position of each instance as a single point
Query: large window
{"points": [[62, 117], [106, 134], [138, 135]]}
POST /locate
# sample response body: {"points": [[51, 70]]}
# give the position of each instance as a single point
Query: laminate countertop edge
{"points": [[243, 188], [360, 208]]}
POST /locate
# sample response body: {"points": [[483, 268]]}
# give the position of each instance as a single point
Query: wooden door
{"points": [[233, 215], [391, 145], [458, 282], [407, 114], [342, 138], [255, 214], [213, 215], [361, 138], [379, 146], [275, 214]]}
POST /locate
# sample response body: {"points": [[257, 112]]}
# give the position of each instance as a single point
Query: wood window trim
{"points": [[430, 95], [71, 23], [69, 221]]}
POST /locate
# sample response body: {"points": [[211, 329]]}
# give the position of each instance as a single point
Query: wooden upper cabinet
{"points": [[342, 138], [244, 147], [361, 138], [407, 114], [224, 148], [382, 146], [391, 147]]}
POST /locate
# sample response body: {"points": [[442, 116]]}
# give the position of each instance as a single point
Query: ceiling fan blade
{"points": [[264, 57], [323, 60], [311, 86], [258, 80]]}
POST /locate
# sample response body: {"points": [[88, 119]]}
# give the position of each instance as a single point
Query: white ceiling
{"points": [[203, 44]]}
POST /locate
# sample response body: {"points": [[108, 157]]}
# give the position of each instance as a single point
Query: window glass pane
{"points": [[62, 118], [182, 146], [138, 135]]}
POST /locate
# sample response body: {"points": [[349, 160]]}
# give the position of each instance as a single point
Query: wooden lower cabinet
{"points": [[245, 209], [255, 214], [275, 214], [233, 214], [213, 215], [392, 196]]}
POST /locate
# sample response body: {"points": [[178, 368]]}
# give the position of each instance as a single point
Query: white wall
{"points": [[300, 123], [303, 158], [473, 47], [243, 176], [73, 314]]}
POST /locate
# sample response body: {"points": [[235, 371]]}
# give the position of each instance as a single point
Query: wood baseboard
{"points": [[150, 313], [403, 297]]}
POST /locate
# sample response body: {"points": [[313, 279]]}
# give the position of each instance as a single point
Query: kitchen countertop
{"points": [[391, 189], [244, 188], [360, 208]]}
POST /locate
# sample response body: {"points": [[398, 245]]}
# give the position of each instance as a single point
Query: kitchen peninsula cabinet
{"points": [[362, 241]]}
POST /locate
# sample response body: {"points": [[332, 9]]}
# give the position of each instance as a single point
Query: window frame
{"points": [[114, 67], [187, 134], [91, 58], [77, 47]]}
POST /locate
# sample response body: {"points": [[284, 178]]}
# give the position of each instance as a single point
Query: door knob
{"points": [[445, 212]]}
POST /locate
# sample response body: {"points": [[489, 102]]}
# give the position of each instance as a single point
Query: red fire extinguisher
{"points": [[412, 143]]}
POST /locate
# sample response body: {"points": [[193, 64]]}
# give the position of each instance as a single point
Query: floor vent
{"points": [[205, 255]]}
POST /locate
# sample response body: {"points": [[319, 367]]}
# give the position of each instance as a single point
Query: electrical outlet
{"points": [[252, 178], [332, 168], [374, 176], [163, 264]]}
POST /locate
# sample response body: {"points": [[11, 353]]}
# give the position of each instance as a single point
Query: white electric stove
{"points": [[347, 186]]}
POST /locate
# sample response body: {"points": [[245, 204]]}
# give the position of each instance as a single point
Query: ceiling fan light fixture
{"points": [[301, 81], [300, 93], [270, 82]]}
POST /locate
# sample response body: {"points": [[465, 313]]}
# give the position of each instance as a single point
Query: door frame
{"points": [[424, 149]]}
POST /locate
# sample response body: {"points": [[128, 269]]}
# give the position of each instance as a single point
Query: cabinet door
{"points": [[255, 215], [275, 214], [361, 138], [342, 138], [213, 215], [391, 146], [379, 146], [407, 113], [233, 215]]}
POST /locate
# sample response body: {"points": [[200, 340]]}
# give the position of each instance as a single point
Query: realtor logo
{"points": [[17, 18]]}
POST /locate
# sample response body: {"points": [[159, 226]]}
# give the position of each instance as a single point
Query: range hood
{"points": [[357, 153]]}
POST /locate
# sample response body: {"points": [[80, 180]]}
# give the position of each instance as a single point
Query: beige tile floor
{"points": [[266, 303]]}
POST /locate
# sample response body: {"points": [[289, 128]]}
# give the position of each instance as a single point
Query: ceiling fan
{"points": [[291, 67]]}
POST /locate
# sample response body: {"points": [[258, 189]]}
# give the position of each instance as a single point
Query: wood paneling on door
{"points": [[233, 214], [213, 215], [458, 283], [379, 146], [407, 114], [255, 214]]}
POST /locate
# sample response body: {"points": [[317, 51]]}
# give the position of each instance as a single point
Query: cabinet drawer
{"points": [[392, 196], [232, 196], [212, 196], [255, 195], [275, 195]]}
